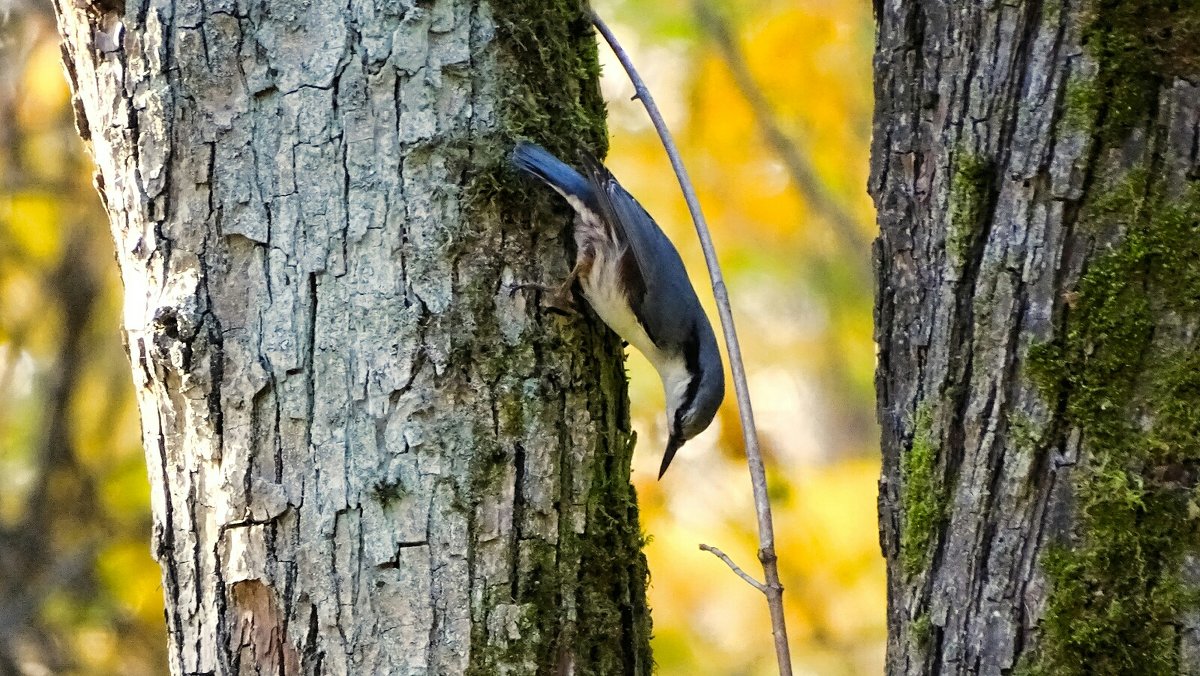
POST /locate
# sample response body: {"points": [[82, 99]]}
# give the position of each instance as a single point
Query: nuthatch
{"points": [[633, 278]]}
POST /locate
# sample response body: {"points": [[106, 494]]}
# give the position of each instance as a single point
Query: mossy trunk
{"points": [[1035, 170], [366, 456]]}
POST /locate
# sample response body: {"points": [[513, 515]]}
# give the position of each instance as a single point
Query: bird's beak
{"points": [[673, 444]]}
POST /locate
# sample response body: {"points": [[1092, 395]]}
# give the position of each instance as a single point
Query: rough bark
{"points": [[365, 455], [1035, 170]]}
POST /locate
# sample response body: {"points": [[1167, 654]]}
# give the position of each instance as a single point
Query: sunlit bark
{"points": [[366, 457]]}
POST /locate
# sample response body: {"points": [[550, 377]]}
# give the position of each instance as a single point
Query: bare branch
{"points": [[758, 475], [735, 568]]}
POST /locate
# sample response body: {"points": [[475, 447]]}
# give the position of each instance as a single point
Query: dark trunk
{"points": [[1038, 302]]}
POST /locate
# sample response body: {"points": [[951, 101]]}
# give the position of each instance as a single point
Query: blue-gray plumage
{"points": [[634, 279]]}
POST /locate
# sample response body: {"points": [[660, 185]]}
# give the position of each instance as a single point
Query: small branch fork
{"points": [[734, 567], [772, 588]]}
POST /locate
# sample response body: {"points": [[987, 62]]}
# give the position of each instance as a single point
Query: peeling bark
{"points": [[1034, 170], [365, 455]]}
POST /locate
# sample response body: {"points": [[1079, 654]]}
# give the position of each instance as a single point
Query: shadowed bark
{"points": [[1034, 169]]}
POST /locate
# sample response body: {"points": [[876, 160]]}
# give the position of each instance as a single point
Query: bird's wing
{"points": [[667, 293]]}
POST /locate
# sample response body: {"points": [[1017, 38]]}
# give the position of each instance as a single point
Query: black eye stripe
{"points": [[691, 355]]}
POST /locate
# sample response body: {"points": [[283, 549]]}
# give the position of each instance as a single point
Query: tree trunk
{"points": [[1038, 305], [366, 457]]}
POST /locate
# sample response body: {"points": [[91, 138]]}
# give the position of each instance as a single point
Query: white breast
{"points": [[601, 289]]}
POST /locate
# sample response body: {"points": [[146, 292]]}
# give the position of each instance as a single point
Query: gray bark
{"points": [[1034, 169], [366, 457]]}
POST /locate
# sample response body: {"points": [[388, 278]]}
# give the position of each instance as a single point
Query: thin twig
{"points": [[758, 476], [799, 168], [734, 567]]}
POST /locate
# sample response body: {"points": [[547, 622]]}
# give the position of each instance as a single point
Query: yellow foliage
{"points": [[30, 224], [133, 578], [27, 319], [830, 565], [43, 152], [72, 478], [805, 324], [44, 91]]}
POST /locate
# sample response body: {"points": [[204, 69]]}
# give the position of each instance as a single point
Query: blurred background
{"points": [[770, 101]]}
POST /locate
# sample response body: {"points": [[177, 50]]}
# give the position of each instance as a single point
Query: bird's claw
{"points": [[553, 298]]}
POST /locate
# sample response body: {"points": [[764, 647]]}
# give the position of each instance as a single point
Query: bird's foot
{"points": [[555, 298]]}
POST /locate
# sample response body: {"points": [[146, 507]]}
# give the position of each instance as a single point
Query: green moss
{"points": [[551, 95], [921, 494], [1174, 398], [613, 575], [1126, 374], [1083, 101], [922, 631], [1024, 434], [585, 596], [387, 492], [969, 189], [573, 595], [1044, 366], [1138, 45], [1051, 10], [554, 96]]}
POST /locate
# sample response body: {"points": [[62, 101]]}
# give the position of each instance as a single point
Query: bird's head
{"points": [[695, 386]]}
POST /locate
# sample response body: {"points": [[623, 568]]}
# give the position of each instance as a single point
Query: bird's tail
{"points": [[538, 161]]}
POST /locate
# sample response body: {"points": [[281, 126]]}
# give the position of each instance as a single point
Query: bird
{"points": [[633, 278]]}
